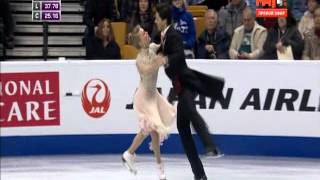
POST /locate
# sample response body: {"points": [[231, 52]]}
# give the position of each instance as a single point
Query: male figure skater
{"points": [[187, 83]]}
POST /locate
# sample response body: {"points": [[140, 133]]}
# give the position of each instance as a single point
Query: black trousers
{"points": [[202, 130], [187, 114]]}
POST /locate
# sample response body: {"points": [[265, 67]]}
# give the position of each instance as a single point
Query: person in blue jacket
{"points": [[184, 24]]}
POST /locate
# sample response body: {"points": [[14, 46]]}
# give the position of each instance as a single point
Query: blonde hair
{"points": [[134, 37]]}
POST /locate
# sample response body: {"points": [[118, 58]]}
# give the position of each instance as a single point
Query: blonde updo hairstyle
{"points": [[134, 37]]}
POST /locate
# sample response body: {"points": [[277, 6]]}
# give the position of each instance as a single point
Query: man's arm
{"points": [[260, 42], [233, 51]]}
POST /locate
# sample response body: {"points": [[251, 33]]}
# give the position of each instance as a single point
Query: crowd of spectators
{"points": [[231, 29]]}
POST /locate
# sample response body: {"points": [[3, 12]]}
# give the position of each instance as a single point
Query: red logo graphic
{"points": [[29, 99], [99, 102], [271, 8]]}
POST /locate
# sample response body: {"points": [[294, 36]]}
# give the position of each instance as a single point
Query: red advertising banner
{"points": [[29, 99], [271, 8], [272, 13]]}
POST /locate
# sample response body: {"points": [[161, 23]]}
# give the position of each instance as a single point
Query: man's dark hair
{"points": [[165, 12]]}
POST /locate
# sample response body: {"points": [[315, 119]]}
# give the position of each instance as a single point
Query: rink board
{"points": [[270, 107]]}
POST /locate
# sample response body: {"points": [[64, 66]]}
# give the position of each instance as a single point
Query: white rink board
{"points": [[241, 76]]}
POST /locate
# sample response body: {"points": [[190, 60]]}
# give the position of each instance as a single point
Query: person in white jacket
{"points": [[248, 39]]}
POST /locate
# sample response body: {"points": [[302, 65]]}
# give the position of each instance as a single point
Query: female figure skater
{"points": [[155, 113]]}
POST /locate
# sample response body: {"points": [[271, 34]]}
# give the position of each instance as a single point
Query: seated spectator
{"points": [[214, 41], [7, 34], [283, 34], [230, 17], [248, 39], [144, 17], [184, 24], [103, 45], [298, 8], [95, 11], [306, 23], [312, 42]]}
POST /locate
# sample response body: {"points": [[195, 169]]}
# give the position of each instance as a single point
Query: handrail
{"points": [[2, 41], [45, 41]]}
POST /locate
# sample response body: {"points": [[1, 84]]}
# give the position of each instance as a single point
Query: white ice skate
{"points": [[162, 175], [128, 161]]}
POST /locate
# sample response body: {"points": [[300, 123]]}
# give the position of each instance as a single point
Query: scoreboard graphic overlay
{"points": [[46, 10]]}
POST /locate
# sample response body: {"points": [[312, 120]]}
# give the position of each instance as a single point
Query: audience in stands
{"points": [[127, 9], [184, 24], [236, 20], [298, 8], [307, 21], [95, 11], [144, 17], [214, 41], [103, 45], [282, 35], [230, 16], [7, 33], [312, 42], [248, 39]]}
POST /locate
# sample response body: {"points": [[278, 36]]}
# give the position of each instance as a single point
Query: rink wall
{"points": [[85, 107]]}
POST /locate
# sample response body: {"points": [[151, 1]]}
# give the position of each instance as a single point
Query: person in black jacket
{"points": [[186, 83], [283, 34], [95, 11], [103, 45], [214, 41], [143, 16]]}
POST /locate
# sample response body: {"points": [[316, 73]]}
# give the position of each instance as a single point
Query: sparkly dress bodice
{"points": [[147, 57]]}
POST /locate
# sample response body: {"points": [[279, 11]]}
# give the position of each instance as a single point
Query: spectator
{"points": [[248, 39], [312, 42], [214, 41], [127, 9], [306, 24], [283, 34], [144, 17], [95, 11], [298, 8], [230, 17], [184, 24], [104, 46], [7, 34]]}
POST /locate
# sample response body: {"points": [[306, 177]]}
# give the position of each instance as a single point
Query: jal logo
{"points": [[96, 98]]}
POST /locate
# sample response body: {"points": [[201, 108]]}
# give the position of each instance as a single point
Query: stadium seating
{"points": [[199, 23], [128, 52]]}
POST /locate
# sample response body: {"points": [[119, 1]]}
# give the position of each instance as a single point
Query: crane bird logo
{"points": [[99, 103]]}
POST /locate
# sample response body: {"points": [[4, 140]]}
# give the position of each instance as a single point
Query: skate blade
{"points": [[124, 162], [215, 157]]}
